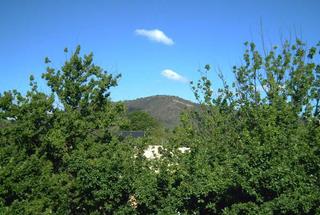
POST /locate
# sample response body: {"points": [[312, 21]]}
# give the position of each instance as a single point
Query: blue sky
{"points": [[122, 36]]}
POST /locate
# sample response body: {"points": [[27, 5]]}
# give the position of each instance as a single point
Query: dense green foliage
{"points": [[255, 145], [139, 120], [64, 160]]}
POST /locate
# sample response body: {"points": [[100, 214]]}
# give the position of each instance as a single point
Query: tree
{"points": [[59, 151], [255, 145], [139, 120]]}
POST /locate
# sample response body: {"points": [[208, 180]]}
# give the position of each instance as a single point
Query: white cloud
{"points": [[155, 35], [168, 73]]}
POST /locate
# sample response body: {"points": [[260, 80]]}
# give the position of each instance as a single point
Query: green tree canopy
{"points": [[254, 145], [59, 151], [140, 120]]}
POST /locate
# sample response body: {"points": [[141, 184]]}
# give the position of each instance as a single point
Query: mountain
{"points": [[166, 109]]}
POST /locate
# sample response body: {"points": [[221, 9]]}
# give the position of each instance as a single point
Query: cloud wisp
{"points": [[172, 75], [155, 35]]}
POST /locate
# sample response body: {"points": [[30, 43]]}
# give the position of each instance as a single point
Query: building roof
{"points": [[134, 134]]}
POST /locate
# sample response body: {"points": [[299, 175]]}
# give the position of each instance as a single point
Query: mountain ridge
{"points": [[165, 108]]}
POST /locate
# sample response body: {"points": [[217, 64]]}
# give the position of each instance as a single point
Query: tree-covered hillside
{"points": [[165, 109], [253, 146]]}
